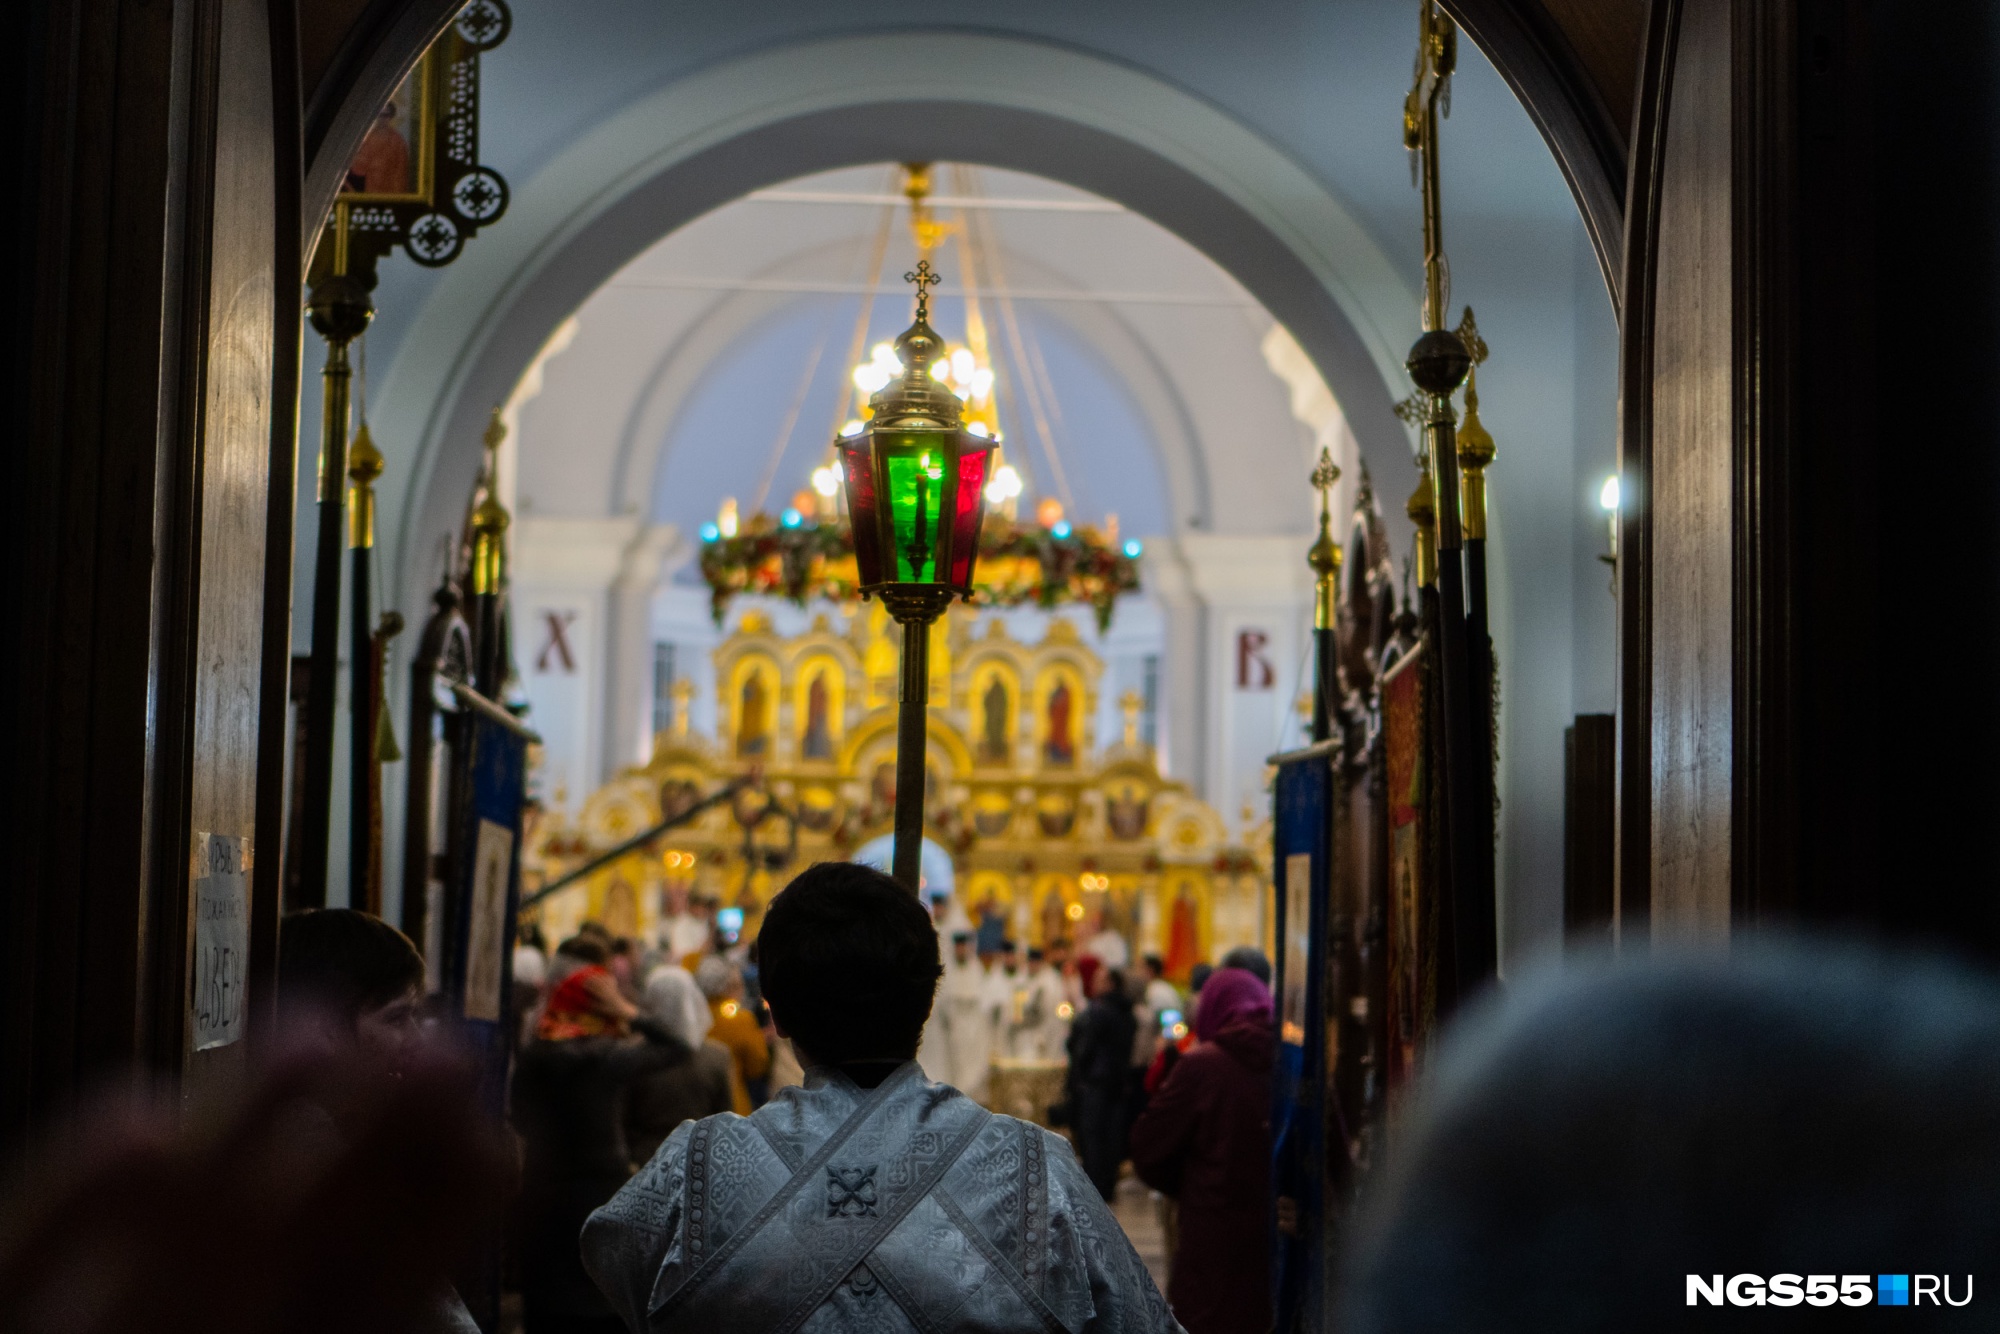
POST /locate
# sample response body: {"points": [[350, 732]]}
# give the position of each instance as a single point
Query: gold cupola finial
{"points": [[490, 519], [364, 465], [1325, 555], [1475, 444], [1422, 509], [1130, 704]]}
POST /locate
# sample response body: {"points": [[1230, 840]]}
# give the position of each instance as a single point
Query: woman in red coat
{"points": [[1205, 1140]]}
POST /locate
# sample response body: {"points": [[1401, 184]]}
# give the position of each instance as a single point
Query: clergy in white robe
{"points": [[871, 1199], [1044, 1032], [969, 1005], [1005, 998]]}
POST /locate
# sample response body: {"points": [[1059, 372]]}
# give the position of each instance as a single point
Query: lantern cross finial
{"points": [[925, 277]]}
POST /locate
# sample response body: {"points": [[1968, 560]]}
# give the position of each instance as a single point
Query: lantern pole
{"points": [[915, 615]]}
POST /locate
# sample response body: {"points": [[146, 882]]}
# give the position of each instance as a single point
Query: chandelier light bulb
{"points": [[1006, 483], [825, 482]]}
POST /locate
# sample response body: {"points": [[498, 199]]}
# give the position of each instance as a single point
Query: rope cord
{"points": [[1038, 412]]}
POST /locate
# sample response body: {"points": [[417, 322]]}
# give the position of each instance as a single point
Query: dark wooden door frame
{"points": [[1635, 458], [1529, 49]]}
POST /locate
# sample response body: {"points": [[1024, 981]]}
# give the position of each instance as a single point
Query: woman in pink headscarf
{"points": [[1205, 1140]]}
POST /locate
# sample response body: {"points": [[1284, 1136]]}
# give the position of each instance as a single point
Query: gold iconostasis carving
{"points": [[1049, 834]]}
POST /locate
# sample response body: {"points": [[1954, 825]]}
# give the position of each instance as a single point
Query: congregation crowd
{"points": [[1587, 1142]]}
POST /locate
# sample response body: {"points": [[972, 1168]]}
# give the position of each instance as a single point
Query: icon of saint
{"points": [[753, 718], [1060, 747], [381, 166], [993, 739], [818, 743]]}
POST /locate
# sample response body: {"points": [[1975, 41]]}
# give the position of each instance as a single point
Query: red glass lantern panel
{"points": [[969, 511], [857, 468]]}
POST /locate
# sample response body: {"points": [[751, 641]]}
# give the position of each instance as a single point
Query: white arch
{"points": [[1014, 100]]}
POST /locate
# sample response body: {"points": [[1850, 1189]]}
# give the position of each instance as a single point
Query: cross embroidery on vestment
{"points": [[850, 1192]]}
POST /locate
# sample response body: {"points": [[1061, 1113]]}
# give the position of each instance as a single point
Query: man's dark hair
{"points": [[588, 949], [1251, 960], [1592, 1142], [1198, 977], [343, 961], [849, 964], [1155, 965]]}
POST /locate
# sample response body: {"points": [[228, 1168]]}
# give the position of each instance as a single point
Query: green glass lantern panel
{"points": [[915, 470]]}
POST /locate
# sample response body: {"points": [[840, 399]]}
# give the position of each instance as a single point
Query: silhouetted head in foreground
{"points": [[1587, 1143], [849, 963]]}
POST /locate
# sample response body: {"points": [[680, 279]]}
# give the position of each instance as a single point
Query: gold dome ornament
{"points": [[1422, 509], [1475, 443], [490, 520], [1325, 555], [364, 466]]}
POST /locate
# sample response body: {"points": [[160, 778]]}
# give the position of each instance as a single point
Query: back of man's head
{"points": [[1605, 1148], [849, 964], [1251, 960], [343, 963]]}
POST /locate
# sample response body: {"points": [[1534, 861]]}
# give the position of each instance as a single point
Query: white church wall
{"points": [[562, 572], [1251, 597]]}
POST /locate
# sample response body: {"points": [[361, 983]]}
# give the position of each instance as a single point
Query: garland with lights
{"points": [[1019, 565]]}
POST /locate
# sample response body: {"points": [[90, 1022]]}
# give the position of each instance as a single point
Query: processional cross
{"points": [[925, 277]]}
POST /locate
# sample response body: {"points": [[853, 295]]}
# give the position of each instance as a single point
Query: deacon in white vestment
{"points": [[1044, 1032], [835, 1208], [1004, 999], [968, 1005], [870, 1199]]}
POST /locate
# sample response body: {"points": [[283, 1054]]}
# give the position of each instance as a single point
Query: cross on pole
{"points": [[925, 277], [1430, 94]]}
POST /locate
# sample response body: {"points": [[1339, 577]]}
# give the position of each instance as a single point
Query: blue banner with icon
{"points": [[484, 891], [1303, 850]]}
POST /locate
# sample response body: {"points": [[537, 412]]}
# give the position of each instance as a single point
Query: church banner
{"points": [[484, 889], [1305, 1168]]}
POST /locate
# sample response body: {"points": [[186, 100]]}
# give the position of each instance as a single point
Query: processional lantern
{"points": [[916, 493]]}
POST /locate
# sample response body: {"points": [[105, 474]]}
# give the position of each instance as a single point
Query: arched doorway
{"points": [[792, 98]]}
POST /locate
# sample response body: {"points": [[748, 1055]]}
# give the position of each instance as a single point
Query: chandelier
{"points": [[807, 550]]}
